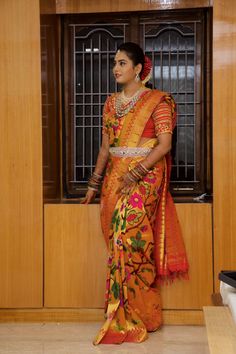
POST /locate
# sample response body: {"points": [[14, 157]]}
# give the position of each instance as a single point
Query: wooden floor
{"points": [[76, 338], [221, 329]]}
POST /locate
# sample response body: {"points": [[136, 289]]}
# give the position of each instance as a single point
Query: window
{"points": [[179, 46], [90, 58]]}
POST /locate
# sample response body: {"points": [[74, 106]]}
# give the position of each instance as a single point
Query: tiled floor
{"points": [[76, 338]]}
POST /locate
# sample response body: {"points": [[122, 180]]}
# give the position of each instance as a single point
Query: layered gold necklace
{"points": [[124, 104]]}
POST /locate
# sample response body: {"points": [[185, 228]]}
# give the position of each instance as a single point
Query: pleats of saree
{"points": [[133, 302]]}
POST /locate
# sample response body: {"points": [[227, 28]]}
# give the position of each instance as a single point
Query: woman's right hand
{"points": [[90, 196]]}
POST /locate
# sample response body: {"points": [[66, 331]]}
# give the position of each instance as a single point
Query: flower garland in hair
{"points": [[147, 70]]}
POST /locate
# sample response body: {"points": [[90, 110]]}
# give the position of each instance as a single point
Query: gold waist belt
{"points": [[129, 151]]}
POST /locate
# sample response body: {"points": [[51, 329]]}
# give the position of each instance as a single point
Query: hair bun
{"points": [[147, 70]]}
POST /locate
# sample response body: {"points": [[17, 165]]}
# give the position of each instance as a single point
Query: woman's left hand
{"points": [[126, 184]]}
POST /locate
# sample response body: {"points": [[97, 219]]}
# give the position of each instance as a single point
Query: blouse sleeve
{"points": [[106, 109], [162, 116]]}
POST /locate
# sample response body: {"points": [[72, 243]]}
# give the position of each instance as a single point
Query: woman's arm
{"points": [[163, 147], [102, 155], [99, 168]]}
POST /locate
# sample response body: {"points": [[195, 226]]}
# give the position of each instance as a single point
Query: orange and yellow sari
{"points": [[141, 230]]}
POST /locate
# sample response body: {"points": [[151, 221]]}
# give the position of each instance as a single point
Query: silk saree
{"points": [[140, 227]]}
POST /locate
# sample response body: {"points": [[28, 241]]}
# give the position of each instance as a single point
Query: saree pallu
{"points": [[129, 223]]}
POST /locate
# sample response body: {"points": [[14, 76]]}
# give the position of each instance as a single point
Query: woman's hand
{"points": [[126, 184], [89, 197]]}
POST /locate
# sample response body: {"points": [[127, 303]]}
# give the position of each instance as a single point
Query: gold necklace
{"points": [[127, 99], [122, 106]]}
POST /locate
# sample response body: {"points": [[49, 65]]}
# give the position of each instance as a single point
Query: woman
{"points": [[138, 218]]}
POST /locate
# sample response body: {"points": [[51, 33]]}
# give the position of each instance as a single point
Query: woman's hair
{"points": [[134, 52]]}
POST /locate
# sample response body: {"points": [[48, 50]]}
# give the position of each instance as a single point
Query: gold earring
{"points": [[137, 78]]}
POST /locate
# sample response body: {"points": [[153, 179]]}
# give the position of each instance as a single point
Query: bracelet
{"points": [[99, 177], [143, 168], [131, 178], [137, 173], [94, 182]]}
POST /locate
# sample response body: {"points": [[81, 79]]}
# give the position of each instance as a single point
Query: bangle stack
{"points": [[137, 172], [94, 182]]}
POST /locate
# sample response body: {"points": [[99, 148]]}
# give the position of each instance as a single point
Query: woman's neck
{"points": [[131, 88]]}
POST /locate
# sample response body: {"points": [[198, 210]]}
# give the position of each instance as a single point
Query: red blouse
{"points": [[160, 122]]}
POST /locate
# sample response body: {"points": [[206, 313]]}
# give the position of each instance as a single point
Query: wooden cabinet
{"points": [[75, 258], [196, 223]]}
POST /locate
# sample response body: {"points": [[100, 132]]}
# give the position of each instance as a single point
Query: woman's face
{"points": [[124, 69]]}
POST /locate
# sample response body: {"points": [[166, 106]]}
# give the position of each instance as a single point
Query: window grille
{"points": [[176, 45], [172, 47], [94, 48]]}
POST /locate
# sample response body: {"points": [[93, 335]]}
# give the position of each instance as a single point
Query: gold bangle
{"points": [[143, 167], [97, 175]]}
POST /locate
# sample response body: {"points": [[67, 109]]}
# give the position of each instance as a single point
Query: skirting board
{"points": [[170, 317]]}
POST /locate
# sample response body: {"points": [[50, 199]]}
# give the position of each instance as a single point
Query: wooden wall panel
{"points": [[21, 160], [47, 7], [75, 258], [81, 6], [196, 222], [224, 135]]}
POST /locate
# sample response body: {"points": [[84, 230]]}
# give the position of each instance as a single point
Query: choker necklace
{"points": [[124, 104], [127, 99]]}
